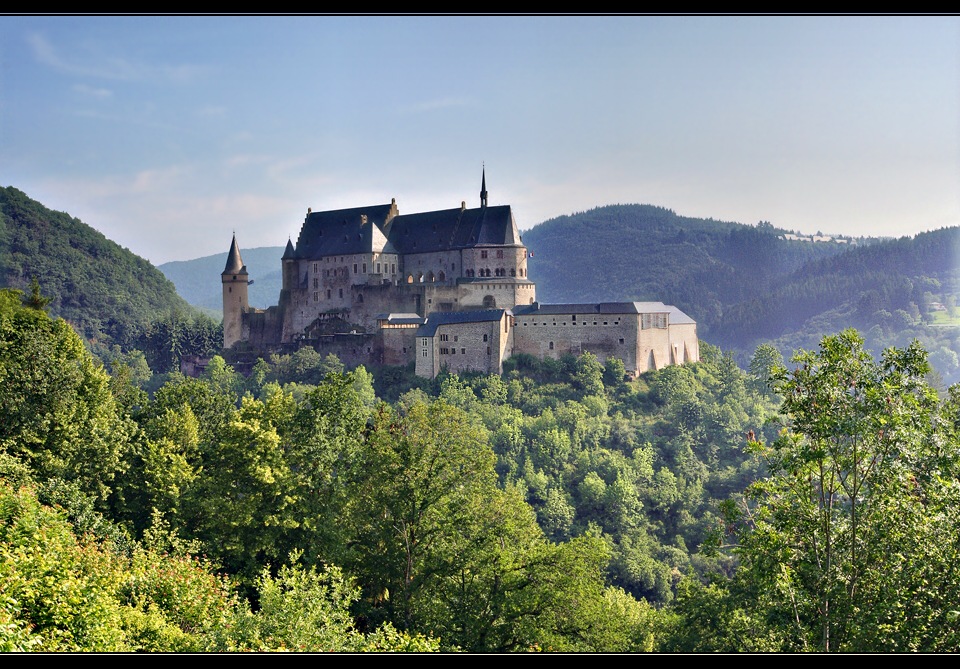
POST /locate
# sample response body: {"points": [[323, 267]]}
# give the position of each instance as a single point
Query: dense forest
{"points": [[751, 502], [558, 507]]}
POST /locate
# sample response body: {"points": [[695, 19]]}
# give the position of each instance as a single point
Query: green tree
{"points": [[836, 543], [57, 412]]}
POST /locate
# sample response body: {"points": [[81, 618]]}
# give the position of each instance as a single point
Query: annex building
{"points": [[445, 288]]}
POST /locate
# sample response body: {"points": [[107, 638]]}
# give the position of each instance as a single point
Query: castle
{"points": [[444, 289]]}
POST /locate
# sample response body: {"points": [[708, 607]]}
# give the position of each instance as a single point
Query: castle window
{"points": [[484, 337], [483, 254], [444, 337], [621, 340], [355, 268], [488, 350], [499, 253], [315, 266], [316, 297], [393, 268], [360, 298], [328, 293], [551, 346], [513, 272], [364, 268], [463, 351], [456, 337], [378, 268]]}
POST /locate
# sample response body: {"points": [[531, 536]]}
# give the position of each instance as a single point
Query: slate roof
{"points": [[344, 232], [401, 319], [453, 229], [537, 309], [234, 261], [436, 319]]}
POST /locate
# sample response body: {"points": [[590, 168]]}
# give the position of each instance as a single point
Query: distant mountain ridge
{"points": [[745, 285], [644, 252], [198, 280]]}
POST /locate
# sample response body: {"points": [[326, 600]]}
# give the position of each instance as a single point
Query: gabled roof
{"points": [[401, 318], [436, 319], [454, 229], [677, 317], [537, 309], [345, 231], [234, 261]]}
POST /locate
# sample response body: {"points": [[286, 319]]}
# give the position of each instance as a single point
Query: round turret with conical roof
{"points": [[235, 303]]}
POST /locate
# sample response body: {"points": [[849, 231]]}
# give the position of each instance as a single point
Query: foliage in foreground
{"points": [[851, 543]]}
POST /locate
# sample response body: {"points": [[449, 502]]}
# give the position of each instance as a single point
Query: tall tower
{"points": [[235, 304]]}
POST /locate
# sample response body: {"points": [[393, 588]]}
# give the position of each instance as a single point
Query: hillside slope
{"points": [[643, 252], [99, 286]]}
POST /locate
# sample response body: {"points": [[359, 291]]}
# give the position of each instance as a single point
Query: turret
{"points": [[235, 303], [289, 264]]}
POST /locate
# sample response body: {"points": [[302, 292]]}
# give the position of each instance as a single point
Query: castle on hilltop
{"points": [[442, 289]]}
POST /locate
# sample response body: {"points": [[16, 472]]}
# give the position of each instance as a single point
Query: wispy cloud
{"points": [[432, 105], [212, 111], [92, 91], [103, 66]]}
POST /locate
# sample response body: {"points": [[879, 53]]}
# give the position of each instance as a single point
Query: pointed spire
{"points": [[234, 261], [483, 188], [289, 252]]}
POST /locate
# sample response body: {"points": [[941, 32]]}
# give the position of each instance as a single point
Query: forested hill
{"points": [[866, 287], [99, 286], [643, 252], [895, 291], [746, 285]]}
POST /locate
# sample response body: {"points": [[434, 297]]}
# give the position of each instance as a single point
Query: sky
{"points": [[170, 134]]}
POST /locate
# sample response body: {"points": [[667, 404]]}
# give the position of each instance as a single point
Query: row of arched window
{"points": [[499, 271]]}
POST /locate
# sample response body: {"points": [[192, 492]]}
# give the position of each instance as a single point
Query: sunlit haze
{"points": [[168, 134]]}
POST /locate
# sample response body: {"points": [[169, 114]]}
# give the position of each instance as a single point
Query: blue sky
{"points": [[168, 134]]}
